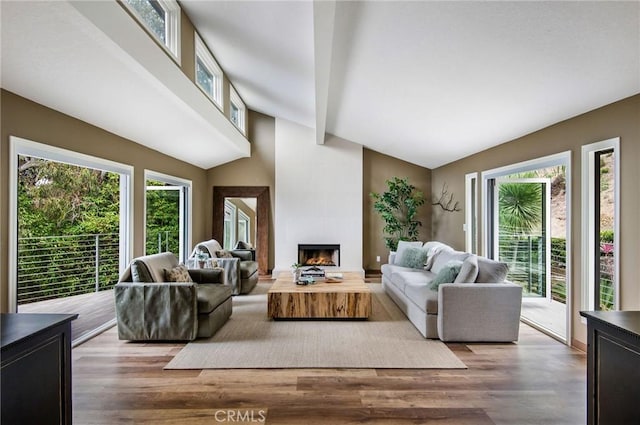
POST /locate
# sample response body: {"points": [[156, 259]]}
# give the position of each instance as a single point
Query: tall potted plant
{"points": [[398, 208]]}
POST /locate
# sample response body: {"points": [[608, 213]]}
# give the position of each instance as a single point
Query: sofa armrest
{"points": [[215, 275], [157, 311], [479, 311]]}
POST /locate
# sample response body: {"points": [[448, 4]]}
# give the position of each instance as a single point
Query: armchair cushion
{"points": [[243, 254], [211, 296], [177, 274], [247, 268], [223, 253], [140, 273]]}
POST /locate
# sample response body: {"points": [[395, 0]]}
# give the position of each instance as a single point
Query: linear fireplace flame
{"points": [[319, 255]]}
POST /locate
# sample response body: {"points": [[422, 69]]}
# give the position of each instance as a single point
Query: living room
{"points": [[319, 186]]}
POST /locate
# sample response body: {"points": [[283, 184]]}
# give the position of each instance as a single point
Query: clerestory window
{"points": [[208, 72], [162, 19]]}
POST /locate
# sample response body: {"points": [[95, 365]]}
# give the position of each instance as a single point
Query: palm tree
{"points": [[520, 207]]}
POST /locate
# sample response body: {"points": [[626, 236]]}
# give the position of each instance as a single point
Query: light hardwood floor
{"points": [[536, 381]]}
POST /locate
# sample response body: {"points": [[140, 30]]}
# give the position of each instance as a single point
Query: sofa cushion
{"points": [[177, 274], [423, 296], [447, 274], [433, 247], [491, 271], [140, 273], [412, 277], [223, 253], [247, 268], [413, 257], [402, 247], [211, 296], [444, 256], [468, 271]]}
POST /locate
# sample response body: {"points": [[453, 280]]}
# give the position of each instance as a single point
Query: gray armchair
{"points": [[241, 271], [148, 308]]}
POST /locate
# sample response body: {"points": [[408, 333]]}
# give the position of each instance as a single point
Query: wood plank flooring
{"points": [[536, 381]]}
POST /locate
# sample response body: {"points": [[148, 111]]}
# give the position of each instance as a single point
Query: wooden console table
{"points": [[613, 367], [36, 368]]}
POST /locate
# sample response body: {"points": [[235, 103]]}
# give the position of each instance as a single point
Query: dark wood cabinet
{"points": [[36, 368], [613, 367]]}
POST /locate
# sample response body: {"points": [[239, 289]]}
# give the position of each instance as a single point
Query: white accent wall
{"points": [[318, 196]]}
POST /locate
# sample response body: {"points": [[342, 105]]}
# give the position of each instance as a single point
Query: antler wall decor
{"points": [[446, 200]]}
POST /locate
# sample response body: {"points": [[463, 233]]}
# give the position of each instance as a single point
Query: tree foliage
{"points": [[398, 208], [520, 206]]}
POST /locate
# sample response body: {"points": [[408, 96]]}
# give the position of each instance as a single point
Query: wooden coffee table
{"points": [[348, 299]]}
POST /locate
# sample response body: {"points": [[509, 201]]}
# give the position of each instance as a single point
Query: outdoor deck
{"points": [[94, 310], [548, 315]]}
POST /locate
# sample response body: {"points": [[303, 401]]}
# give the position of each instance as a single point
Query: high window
{"points": [[168, 214], [208, 72], [162, 19], [600, 212], [238, 111]]}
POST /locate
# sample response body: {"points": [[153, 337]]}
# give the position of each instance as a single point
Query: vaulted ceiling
{"points": [[424, 81]]}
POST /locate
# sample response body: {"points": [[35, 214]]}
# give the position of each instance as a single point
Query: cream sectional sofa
{"points": [[478, 306]]}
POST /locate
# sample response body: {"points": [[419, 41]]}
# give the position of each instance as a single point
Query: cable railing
{"points": [[61, 266], [525, 256]]}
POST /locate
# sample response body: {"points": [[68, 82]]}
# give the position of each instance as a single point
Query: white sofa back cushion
{"points": [[491, 271], [433, 247], [468, 271]]}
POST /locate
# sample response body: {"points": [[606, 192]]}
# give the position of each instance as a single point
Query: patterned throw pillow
{"points": [[223, 253], [177, 274]]}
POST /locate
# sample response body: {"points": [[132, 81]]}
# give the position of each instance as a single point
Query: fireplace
{"points": [[319, 255]]}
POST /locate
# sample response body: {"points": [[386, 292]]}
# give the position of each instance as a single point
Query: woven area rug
{"points": [[249, 340]]}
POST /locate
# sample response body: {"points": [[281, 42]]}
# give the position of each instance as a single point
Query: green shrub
{"points": [[606, 236]]}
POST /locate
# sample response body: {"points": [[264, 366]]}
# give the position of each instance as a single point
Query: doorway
{"points": [[527, 217]]}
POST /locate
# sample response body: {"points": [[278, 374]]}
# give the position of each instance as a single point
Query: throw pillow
{"points": [[491, 271], [223, 253], [413, 257], [177, 274], [446, 255], [447, 274], [402, 247], [468, 271], [140, 272]]}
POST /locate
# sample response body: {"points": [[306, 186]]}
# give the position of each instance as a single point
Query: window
{"points": [[167, 214], [230, 212], [208, 73], [238, 111], [600, 212], [471, 213], [162, 19], [243, 227]]}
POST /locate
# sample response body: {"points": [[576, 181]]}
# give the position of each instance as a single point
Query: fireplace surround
{"points": [[323, 255]]}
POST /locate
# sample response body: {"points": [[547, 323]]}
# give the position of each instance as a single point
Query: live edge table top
{"points": [[348, 299]]}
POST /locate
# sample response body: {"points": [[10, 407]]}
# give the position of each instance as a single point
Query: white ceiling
{"points": [[428, 82]]}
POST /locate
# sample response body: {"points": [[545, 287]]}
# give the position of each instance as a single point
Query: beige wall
{"points": [[29, 120], [620, 119], [257, 170], [377, 168]]}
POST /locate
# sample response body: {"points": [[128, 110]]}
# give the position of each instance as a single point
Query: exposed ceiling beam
{"points": [[324, 13]]}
